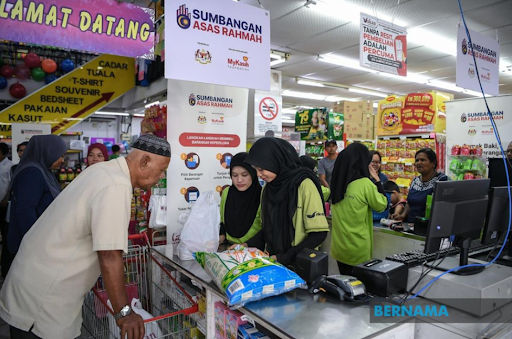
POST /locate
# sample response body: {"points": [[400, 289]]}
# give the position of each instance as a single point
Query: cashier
{"points": [[422, 186], [292, 208], [240, 205]]}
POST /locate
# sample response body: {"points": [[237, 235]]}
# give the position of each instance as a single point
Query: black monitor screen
{"points": [[496, 223], [497, 172]]}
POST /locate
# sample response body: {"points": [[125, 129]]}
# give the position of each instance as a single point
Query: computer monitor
{"points": [[457, 216], [496, 223], [497, 172]]}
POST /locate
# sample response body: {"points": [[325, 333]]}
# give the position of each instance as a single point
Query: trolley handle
{"points": [[143, 236]]}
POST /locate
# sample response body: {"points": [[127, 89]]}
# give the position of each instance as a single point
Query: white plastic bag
{"points": [[152, 329], [158, 208], [201, 231]]}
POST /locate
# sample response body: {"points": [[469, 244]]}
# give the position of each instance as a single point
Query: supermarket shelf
{"points": [[74, 151], [363, 140], [408, 136]]}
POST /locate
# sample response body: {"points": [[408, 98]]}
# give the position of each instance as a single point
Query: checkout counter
{"points": [[301, 315]]}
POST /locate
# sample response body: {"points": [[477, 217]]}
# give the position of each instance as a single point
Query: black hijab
{"points": [[279, 202], [351, 164], [241, 207], [308, 162]]}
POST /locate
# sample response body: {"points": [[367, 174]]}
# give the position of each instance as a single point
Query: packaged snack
{"points": [[220, 320], [467, 165], [248, 274], [381, 145], [479, 151], [411, 144], [472, 150], [460, 177], [402, 152], [455, 150], [246, 330], [233, 320], [455, 164], [432, 144], [469, 176], [476, 165], [465, 150]]}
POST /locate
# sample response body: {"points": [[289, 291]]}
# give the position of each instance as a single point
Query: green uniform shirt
{"points": [[255, 228], [326, 192], [352, 222]]}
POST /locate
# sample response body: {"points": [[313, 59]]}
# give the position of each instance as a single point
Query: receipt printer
{"points": [[310, 264], [382, 277]]}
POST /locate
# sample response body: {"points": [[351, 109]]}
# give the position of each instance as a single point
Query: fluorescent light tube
{"points": [[152, 103], [310, 83], [364, 91], [112, 113]]}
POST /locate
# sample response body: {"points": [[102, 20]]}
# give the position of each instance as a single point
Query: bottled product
{"points": [[62, 175], [78, 171], [71, 174]]}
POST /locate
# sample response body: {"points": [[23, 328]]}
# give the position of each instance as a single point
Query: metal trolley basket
{"points": [[160, 294]]}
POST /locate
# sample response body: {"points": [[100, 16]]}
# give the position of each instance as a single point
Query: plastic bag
{"points": [[152, 329], [158, 208], [201, 231], [248, 274]]}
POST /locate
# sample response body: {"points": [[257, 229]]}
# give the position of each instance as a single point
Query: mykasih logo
{"points": [[239, 64], [183, 17], [219, 121]]}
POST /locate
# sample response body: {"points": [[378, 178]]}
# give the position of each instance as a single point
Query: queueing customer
{"points": [[240, 206], [353, 197], [20, 149], [34, 186], [310, 163], [326, 165], [422, 186], [96, 153], [116, 150], [292, 208], [377, 164], [83, 233], [5, 181]]}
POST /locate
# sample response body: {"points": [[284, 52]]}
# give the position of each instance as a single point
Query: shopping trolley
{"points": [[148, 279]]}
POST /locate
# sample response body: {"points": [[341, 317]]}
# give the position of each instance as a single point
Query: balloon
{"points": [[121, 147], [49, 78], [22, 72], [32, 60], [125, 144], [109, 145], [67, 65], [6, 71], [3, 83], [49, 66], [38, 74], [17, 90]]}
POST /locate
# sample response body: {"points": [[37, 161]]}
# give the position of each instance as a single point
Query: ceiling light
{"points": [[112, 113], [364, 91], [375, 105], [139, 115], [277, 62], [274, 55], [152, 103], [294, 94], [309, 83]]}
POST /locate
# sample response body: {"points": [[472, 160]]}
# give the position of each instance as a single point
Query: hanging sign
{"points": [[218, 42], [383, 46], [105, 26], [312, 124], [204, 130], [487, 54], [74, 96], [267, 113]]}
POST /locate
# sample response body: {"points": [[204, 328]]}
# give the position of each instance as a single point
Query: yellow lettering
{"points": [[144, 32], [120, 29], [111, 20], [97, 27], [51, 16], [35, 15], [17, 10], [85, 21], [3, 13], [66, 12], [133, 27]]}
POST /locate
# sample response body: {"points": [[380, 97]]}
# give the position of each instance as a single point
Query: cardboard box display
{"points": [[233, 321], [368, 120], [220, 320]]}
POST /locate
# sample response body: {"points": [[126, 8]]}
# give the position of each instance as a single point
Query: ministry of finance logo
{"points": [[192, 99], [183, 17], [203, 57]]}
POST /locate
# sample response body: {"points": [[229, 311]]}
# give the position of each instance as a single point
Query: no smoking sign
{"points": [[268, 108]]}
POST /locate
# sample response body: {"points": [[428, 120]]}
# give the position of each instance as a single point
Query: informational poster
{"points": [[217, 42], [101, 26], [267, 113], [383, 46], [312, 124], [487, 54], [468, 123], [335, 126], [23, 132], [74, 96], [415, 113], [206, 128]]}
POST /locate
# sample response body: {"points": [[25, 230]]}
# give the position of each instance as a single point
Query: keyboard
{"points": [[417, 257]]}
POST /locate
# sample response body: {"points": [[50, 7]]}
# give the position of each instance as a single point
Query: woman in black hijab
{"points": [[292, 208], [353, 197], [240, 205]]}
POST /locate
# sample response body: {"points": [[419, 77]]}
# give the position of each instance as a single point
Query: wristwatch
{"points": [[124, 312]]}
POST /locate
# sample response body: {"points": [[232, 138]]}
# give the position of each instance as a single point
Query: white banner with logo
{"points": [[23, 132], [217, 42], [487, 54], [467, 122], [383, 46], [206, 127]]}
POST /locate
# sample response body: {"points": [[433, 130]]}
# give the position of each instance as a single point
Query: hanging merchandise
{"points": [[22, 72], [32, 60], [17, 90], [158, 209], [49, 78], [49, 65], [38, 74], [67, 65], [3, 83], [6, 71], [155, 121]]}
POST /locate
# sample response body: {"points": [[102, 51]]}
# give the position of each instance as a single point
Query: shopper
{"points": [[422, 186], [292, 209], [509, 151], [326, 165], [353, 197], [5, 181], [96, 153], [376, 164], [240, 206], [20, 149], [311, 163], [116, 150], [83, 233], [397, 201], [34, 186]]}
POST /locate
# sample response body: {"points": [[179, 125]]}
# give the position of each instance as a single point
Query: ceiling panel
{"points": [[332, 40], [498, 14], [334, 74], [421, 54], [277, 8], [307, 66], [448, 61]]}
